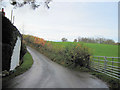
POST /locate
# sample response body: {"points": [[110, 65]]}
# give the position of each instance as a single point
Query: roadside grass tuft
{"points": [[111, 82], [27, 63]]}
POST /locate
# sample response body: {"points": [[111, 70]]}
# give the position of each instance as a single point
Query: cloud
{"points": [[69, 20], [70, 32], [85, 0]]}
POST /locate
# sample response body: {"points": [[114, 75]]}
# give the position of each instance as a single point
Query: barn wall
{"points": [[15, 58], [10, 36]]}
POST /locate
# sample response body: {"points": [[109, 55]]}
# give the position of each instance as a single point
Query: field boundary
{"points": [[107, 65]]}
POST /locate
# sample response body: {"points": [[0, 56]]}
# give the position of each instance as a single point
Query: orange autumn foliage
{"points": [[39, 41]]}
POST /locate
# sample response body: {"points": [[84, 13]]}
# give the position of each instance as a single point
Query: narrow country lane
{"points": [[47, 74]]}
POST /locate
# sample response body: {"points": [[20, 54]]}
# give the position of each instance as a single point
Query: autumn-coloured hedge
{"points": [[69, 55]]}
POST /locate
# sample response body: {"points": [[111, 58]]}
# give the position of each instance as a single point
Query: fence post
{"points": [[88, 64], [105, 64], [98, 63], [91, 62], [112, 63], [105, 67]]}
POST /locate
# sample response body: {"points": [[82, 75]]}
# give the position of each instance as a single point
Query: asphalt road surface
{"points": [[47, 74]]}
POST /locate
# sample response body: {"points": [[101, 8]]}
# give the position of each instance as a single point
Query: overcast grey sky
{"points": [[69, 20]]}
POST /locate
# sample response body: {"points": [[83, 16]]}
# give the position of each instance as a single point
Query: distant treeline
{"points": [[95, 40], [70, 55]]}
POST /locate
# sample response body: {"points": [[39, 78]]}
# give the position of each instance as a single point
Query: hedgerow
{"points": [[69, 55]]}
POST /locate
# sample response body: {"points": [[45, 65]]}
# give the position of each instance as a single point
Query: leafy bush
{"points": [[69, 55]]}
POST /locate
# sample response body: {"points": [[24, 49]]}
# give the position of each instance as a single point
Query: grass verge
{"points": [[111, 82], [27, 63]]}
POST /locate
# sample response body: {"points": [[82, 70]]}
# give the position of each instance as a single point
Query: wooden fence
{"points": [[107, 65]]}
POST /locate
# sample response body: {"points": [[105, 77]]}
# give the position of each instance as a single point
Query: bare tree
{"points": [[33, 3]]}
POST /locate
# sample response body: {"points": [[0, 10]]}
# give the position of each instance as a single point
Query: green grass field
{"points": [[103, 49], [69, 54], [96, 49]]}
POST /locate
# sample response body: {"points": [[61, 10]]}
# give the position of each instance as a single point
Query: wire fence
{"points": [[107, 65]]}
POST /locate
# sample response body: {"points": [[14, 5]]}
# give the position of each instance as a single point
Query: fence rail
{"points": [[107, 65]]}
